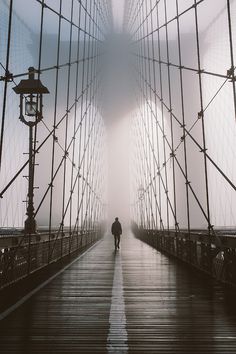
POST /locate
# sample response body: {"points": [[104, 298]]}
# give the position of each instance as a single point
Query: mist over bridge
{"points": [[139, 122]]}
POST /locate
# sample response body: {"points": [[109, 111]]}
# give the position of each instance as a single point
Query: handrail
{"points": [[213, 255], [33, 253]]}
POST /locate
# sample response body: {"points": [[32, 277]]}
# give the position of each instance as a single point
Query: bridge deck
{"points": [[133, 301]]}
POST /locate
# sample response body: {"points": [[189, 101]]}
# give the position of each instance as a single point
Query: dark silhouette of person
{"points": [[116, 230]]}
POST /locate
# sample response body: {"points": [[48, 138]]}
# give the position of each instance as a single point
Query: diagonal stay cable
{"points": [[192, 137], [49, 135], [164, 164], [66, 19], [178, 163], [168, 22], [65, 156], [151, 184], [49, 68], [205, 72], [67, 205]]}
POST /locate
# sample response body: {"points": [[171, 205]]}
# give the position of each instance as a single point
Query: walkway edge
{"points": [[20, 302]]}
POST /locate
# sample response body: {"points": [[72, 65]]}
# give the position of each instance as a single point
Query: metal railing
{"points": [[37, 251], [212, 254]]}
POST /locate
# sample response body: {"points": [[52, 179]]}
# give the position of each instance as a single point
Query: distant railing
{"points": [[213, 254], [21, 256]]}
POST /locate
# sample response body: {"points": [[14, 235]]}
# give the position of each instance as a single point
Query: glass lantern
{"points": [[31, 103]]}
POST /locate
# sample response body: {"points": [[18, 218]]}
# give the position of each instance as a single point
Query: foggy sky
{"points": [[119, 102]]}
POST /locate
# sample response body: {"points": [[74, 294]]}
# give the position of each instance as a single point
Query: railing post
{"points": [[29, 255]]}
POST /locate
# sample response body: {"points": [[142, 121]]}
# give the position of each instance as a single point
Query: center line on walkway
{"points": [[117, 338]]}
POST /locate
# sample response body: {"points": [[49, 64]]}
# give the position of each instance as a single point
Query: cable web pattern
{"points": [[63, 41], [184, 125]]}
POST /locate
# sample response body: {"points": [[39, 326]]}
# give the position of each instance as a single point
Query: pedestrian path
{"points": [[135, 300]]}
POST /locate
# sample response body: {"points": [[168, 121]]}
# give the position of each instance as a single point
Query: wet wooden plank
{"points": [[168, 309]]}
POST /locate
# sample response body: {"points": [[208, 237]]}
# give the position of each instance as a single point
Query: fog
{"points": [[120, 104]]}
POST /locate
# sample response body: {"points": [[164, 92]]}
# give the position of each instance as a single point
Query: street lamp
{"points": [[31, 93], [141, 192]]}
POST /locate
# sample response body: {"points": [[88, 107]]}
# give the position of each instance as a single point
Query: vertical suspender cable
{"points": [[4, 104]]}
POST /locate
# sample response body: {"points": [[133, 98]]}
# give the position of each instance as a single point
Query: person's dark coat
{"points": [[116, 228]]}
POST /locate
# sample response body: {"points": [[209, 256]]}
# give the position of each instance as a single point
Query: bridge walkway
{"points": [[135, 300]]}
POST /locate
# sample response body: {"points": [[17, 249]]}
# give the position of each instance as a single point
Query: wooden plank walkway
{"points": [[133, 301]]}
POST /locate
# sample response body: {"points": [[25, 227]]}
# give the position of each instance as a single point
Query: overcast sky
{"points": [[118, 11], [32, 18]]}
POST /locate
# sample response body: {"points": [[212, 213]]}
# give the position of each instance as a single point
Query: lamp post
{"points": [[141, 197], [31, 93]]}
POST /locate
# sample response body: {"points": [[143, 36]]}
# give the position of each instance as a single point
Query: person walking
{"points": [[116, 231]]}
